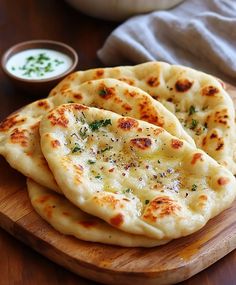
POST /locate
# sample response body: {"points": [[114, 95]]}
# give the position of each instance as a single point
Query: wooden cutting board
{"points": [[171, 263]]}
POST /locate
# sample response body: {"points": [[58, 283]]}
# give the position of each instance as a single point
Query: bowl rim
{"points": [[41, 43]]}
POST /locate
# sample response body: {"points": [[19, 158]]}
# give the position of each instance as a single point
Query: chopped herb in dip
{"points": [[38, 63]]}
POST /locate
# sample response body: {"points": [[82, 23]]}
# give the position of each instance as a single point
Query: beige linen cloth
{"points": [[197, 33]]}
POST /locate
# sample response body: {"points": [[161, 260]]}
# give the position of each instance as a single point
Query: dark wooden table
{"points": [[54, 19]]}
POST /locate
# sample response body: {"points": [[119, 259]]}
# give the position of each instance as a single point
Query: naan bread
{"points": [[198, 100], [69, 220], [132, 174], [19, 137]]}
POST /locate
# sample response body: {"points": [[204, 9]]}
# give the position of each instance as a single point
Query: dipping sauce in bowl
{"points": [[37, 66], [38, 63]]}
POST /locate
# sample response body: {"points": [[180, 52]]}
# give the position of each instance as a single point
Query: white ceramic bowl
{"points": [[118, 10]]}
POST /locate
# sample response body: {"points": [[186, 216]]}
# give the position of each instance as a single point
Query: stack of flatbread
{"points": [[130, 156]]}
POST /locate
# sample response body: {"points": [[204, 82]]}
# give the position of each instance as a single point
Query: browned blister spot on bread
{"points": [[77, 96], [79, 107], [153, 81], [127, 80], [72, 76], [64, 87], [117, 220], [35, 126], [221, 117], [108, 201], [88, 224], [58, 119], [43, 104], [48, 209], [99, 73], [183, 85], [202, 197], [161, 207], [53, 93], [158, 131], [202, 201], [204, 141], [131, 94], [223, 181], [126, 107], [196, 157], [106, 92], [55, 143], [220, 144], [10, 122], [149, 113], [209, 91], [214, 135], [176, 144], [141, 143], [43, 199], [19, 137], [127, 124]]}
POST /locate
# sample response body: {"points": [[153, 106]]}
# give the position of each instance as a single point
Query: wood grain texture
{"points": [[171, 263]]}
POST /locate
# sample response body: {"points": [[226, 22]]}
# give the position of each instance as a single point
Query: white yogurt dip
{"points": [[38, 64]]}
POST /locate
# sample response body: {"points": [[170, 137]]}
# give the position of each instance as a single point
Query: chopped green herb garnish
{"points": [[98, 176], [94, 126], [76, 148], [107, 148], [47, 68], [128, 190], [192, 110], [30, 58], [58, 62], [70, 101], [91, 161], [158, 161], [83, 133], [75, 135], [81, 120], [103, 92], [147, 201], [194, 124], [194, 187]]}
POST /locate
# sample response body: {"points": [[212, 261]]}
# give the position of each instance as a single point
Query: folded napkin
{"points": [[197, 33]]}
